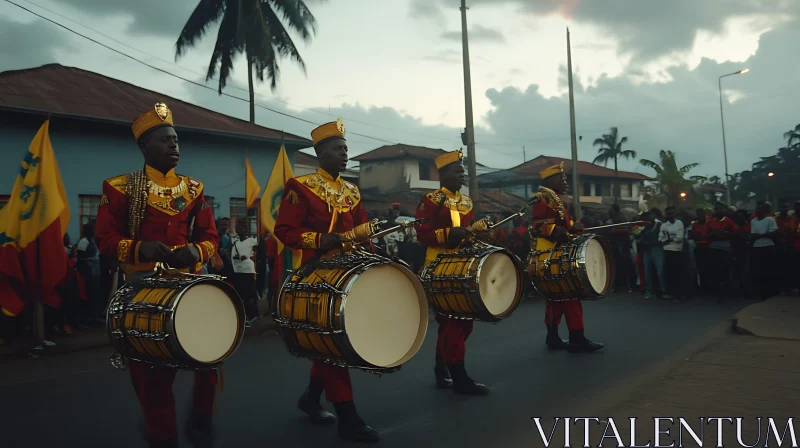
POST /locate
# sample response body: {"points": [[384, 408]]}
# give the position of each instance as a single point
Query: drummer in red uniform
{"points": [[315, 209], [150, 216], [551, 220], [448, 214]]}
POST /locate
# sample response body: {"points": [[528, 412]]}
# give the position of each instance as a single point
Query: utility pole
{"points": [[575, 190], [525, 159], [470, 130]]}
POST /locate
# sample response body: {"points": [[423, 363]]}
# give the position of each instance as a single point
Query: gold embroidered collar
{"points": [[337, 193], [455, 201], [168, 185]]}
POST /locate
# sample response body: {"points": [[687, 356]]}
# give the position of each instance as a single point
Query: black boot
{"points": [[309, 403], [200, 432], [463, 384], [579, 344], [554, 341], [351, 427], [443, 379]]}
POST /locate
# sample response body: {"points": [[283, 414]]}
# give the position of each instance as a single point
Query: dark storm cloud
{"points": [[681, 115], [478, 33], [426, 9], [151, 17], [34, 44], [649, 29]]}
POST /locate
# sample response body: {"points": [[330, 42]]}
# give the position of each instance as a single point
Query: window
{"points": [[4, 198], [587, 189], [88, 204], [625, 190], [238, 210], [427, 170]]}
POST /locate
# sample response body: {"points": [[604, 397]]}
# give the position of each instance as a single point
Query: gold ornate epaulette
{"points": [[195, 186], [463, 205], [343, 199]]}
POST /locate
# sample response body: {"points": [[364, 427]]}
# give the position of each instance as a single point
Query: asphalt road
{"points": [[79, 400]]}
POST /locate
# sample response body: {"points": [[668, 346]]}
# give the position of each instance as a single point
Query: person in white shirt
{"points": [[763, 230], [244, 268], [671, 238]]}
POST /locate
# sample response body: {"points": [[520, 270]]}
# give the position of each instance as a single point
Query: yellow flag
{"points": [[37, 210], [271, 200], [252, 188]]}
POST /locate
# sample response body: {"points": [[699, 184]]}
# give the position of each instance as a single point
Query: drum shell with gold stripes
{"points": [[480, 282], [581, 269], [353, 310], [188, 322]]}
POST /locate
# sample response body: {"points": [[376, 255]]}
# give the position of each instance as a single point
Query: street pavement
{"points": [[79, 400]]}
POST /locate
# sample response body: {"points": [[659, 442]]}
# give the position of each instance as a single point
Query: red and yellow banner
{"points": [[32, 227]]}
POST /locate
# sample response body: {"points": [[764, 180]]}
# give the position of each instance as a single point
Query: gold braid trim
{"points": [[309, 240], [441, 235], [480, 225], [209, 249], [124, 250], [550, 198], [136, 189]]}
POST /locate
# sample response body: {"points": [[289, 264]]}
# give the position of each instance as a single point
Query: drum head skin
{"points": [[498, 283], [596, 267], [386, 315], [206, 323]]}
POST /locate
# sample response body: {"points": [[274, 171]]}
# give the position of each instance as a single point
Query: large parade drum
{"points": [[582, 268], [481, 282], [353, 310], [183, 321]]}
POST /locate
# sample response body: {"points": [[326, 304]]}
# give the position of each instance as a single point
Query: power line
{"points": [[180, 77], [231, 85]]}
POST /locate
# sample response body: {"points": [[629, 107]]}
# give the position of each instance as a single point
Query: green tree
{"points": [[671, 180], [251, 27], [793, 138], [611, 149]]}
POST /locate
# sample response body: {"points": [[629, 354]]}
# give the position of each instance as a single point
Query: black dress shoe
{"points": [[473, 388], [556, 343], [553, 340], [351, 427], [463, 384], [362, 433], [579, 344], [442, 373], [316, 413]]}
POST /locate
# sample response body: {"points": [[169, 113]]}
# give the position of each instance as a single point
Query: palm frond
{"points": [[600, 141], [686, 168], [628, 154], [651, 164], [298, 16], [207, 13]]}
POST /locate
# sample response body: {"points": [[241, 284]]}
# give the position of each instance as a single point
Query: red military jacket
{"points": [[316, 204], [548, 212], [165, 219], [444, 210]]}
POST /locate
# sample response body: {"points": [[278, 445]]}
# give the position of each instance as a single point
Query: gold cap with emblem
{"points": [[551, 171], [334, 129], [156, 118], [449, 158]]}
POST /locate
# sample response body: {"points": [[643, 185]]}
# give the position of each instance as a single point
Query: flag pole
{"points": [[38, 325], [575, 191]]}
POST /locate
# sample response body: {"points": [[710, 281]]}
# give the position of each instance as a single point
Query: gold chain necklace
{"points": [[167, 192]]}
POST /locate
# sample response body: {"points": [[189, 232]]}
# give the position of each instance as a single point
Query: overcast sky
{"points": [[393, 70]]}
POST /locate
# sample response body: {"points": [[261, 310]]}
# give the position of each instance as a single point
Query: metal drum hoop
{"points": [[171, 338], [361, 263], [479, 253]]}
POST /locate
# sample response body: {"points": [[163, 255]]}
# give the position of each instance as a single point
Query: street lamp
{"points": [[683, 195], [771, 174], [724, 146]]}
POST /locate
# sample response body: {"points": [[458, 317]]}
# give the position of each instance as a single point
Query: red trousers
{"points": [[571, 309], [153, 387], [335, 380], [451, 344]]}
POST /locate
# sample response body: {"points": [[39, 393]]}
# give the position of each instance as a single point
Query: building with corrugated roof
{"points": [[90, 129]]}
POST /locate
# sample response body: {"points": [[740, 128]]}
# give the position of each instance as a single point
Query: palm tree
{"points": [[251, 27], [671, 180], [611, 149], [791, 136]]}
